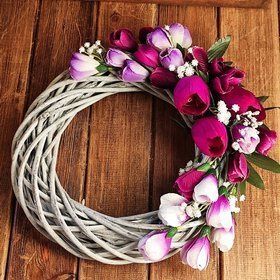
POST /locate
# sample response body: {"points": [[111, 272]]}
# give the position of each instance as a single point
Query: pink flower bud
{"points": [[115, 57], [163, 78], [172, 210], [267, 140], [246, 101], [217, 66], [200, 55], [206, 190], [246, 137], [143, 33], [154, 246], [123, 39], [171, 56], [196, 253], [133, 72], [180, 35], [192, 96], [159, 39], [185, 183], [147, 55], [237, 168], [82, 66], [210, 136], [219, 215], [224, 239]]}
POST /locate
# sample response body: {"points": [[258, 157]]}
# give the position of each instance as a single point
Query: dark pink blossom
{"points": [[147, 55], [267, 140], [123, 39], [163, 78], [237, 168]]}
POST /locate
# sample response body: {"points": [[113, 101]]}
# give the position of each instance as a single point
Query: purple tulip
{"points": [[82, 66], [115, 57], [180, 35], [219, 215], [206, 190], [246, 137], [228, 80], [159, 39], [133, 72], [143, 33], [200, 55], [267, 140], [163, 78], [172, 210], [147, 55], [171, 56], [196, 253], [246, 101], [186, 183], [210, 136], [154, 246], [123, 39], [224, 239], [192, 96], [237, 168]]}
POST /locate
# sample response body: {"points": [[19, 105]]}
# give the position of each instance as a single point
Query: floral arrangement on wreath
{"points": [[227, 128]]}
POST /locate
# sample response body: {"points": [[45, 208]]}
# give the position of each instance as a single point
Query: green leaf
{"points": [[204, 167], [218, 48], [203, 76], [264, 162], [205, 231], [211, 171], [178, 46], [223, 191], [101, 68], [242, 187], [171, 232], [263, 98], [254, 178]]}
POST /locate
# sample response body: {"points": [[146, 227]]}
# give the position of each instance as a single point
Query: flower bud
{"points": [[115, 57], [159, 39], [163, 78], [147, 55], [133, 72], [171, 56], [267, 140], [180, 35], [123, 39], [237, 168]]}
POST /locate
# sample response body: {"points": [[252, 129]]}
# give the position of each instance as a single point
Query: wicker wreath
{"points": [[226, 123]]}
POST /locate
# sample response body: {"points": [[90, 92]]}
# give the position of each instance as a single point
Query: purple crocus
{"points": [[267, 140], [147, 55], [133, 72], [159, 39], [246, 138], [123, 39], [115, 57], [237, 168], [163, 78], [82, 66], [180, 35], [154, 246], [196, 252], [219, 215], [171, 56]]}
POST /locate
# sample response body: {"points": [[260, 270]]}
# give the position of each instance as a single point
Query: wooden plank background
{"points": [[124, 152]]}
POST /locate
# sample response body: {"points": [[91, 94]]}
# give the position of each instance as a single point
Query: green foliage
{"points": [[218, 48], [254, 178], [264, 162]]}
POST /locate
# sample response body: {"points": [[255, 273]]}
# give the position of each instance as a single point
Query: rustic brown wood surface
{"points": [[123, 153]]}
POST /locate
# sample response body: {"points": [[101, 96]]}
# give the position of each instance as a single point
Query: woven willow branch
{"points": [[80, 230]]}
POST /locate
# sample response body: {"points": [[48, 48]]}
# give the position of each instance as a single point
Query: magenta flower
{"points": [[237, 168], [147, 55], [172, 210], [133, 72], [196, 253], [192, 96], [82, 66], [210, 136], [180, 35], [143, 33], [225, 83], [206, 190], [163, 78], [224, 239], [219, 215], [200, 55], [123, 39], [267, 140], [159, 39], [247, 138], [171, 56], [185, 183], [154, 246], [217, 66], [246, 101], [115, 57]]}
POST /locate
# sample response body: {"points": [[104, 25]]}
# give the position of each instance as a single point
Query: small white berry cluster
{"points": [[248, 119], [232, 204], [193, 211], [224, 114], [92, 50], [185, 70]]}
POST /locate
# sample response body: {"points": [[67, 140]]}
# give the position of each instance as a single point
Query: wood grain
{"points": [[209, 3], [255, 48], [62, 27], [120, 140], [173, 145], [15, 57]]}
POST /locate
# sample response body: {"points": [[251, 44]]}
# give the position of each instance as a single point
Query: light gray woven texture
{"points": [[80, 230]]}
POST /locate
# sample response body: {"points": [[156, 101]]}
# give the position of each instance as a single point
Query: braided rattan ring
{"points": [[80, 230]]}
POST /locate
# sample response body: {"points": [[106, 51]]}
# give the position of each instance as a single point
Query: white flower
{"points": [[172, 67], [189, 71], [232, 202], [235, 146], [189, 50], [238, 117], [189, 163], [166, 27], [181, 171], [97, 42], [223, 114], [224, 239], [242, 197], [235, 108], [82, 49], [87, 44], [99, 51], [194, 62], [226, 184]]}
